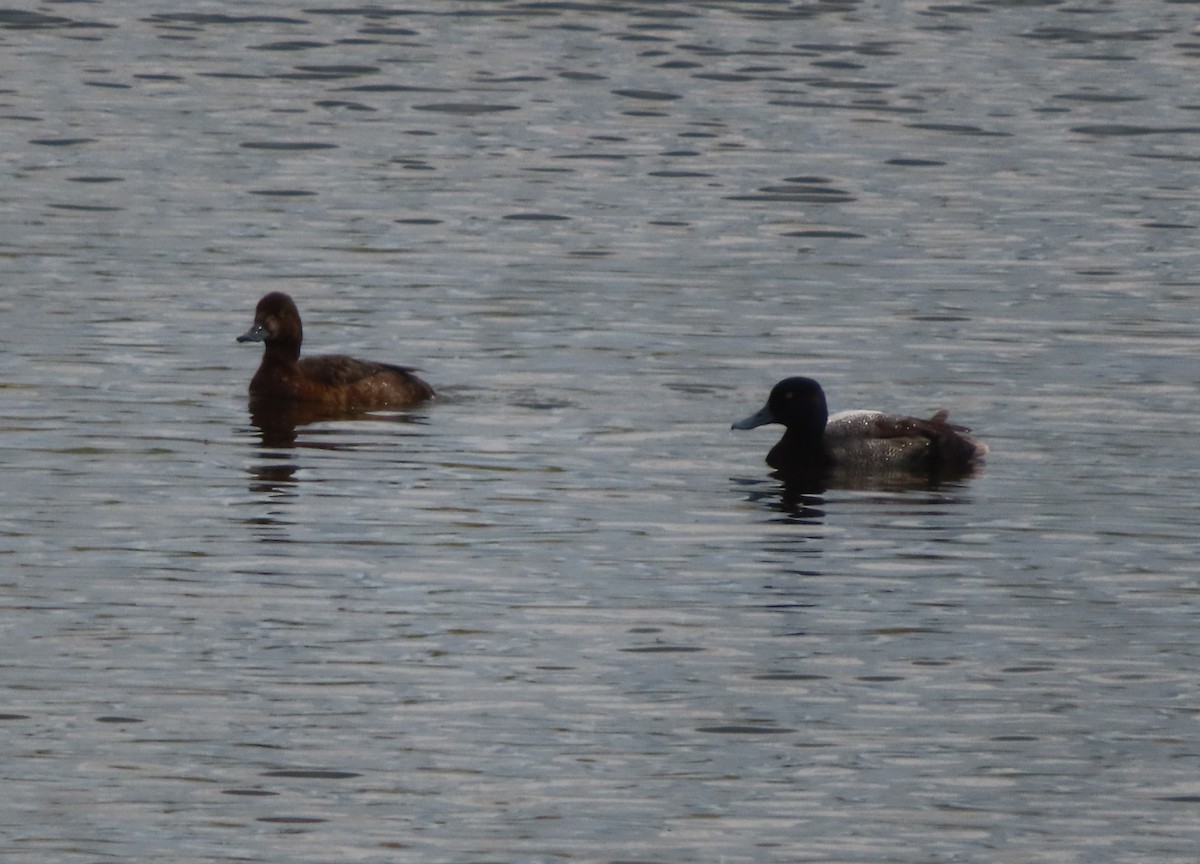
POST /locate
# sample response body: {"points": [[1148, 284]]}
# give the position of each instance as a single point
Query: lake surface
{"points": [[563, 613]]}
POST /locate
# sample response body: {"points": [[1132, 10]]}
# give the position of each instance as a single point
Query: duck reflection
{"points": [[285, 428], [795, 503], [277, 421], [820, 481], [273, 472], [801, 494]]}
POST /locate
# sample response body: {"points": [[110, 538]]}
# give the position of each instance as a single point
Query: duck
{"points": [[332, 383], [859, 441]]}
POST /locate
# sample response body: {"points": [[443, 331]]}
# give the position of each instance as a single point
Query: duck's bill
{"points": [[759, 418], [254, 334]]}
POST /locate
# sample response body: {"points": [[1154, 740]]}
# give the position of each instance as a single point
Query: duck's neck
{"points": [[800, 447], [281, 352], [803, 439], [808, 432]]}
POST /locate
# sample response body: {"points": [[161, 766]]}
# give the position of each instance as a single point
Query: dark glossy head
{"points": [[797, 403], [276, 322]]}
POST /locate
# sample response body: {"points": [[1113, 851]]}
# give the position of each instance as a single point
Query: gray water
{"points": [[563, 613]]}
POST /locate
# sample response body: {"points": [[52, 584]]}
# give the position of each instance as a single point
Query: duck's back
{"points": [[362, 384], [869, 440]]}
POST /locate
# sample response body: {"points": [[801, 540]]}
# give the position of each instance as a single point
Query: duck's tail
{"points": [[954, 446]]}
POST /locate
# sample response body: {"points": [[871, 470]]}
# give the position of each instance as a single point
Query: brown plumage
{"points": [[333, 382]]}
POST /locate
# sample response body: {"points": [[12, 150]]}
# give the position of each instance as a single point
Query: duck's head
{"points": [[276, 321], [797, 403]]}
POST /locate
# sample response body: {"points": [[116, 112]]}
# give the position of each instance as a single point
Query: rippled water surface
{"points": [[563, 613]]}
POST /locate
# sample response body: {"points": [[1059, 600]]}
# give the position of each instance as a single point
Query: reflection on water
{"points": [[606, 228], [803, 497], [283, 428], [278, 423], [274, 473], [802, 503]]}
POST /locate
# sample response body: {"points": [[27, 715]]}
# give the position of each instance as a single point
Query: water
{"points": [[563, 613]]}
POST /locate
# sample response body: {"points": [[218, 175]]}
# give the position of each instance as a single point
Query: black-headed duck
{"points": [[859, 441], [333, 382]]}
